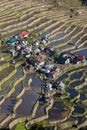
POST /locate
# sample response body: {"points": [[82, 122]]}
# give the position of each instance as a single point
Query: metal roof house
{"points": [[11, 41]]}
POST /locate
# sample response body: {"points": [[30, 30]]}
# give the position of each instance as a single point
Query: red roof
{"points": [[24, 34], [80, 58]]}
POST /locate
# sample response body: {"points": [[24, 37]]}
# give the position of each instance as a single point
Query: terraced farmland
{"points": [[21, 90]]}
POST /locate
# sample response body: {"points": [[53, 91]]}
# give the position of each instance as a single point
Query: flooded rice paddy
{"points": [[58, 112]]}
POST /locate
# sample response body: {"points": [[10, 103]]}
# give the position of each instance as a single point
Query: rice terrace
{"points": [[43, 64]]}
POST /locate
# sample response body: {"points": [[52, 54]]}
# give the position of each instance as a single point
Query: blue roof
{"points": [[12, 41]]}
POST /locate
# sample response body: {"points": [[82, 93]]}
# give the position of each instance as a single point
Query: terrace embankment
{"points": [[65, 30]]}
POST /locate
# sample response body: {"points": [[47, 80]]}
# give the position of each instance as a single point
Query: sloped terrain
{"points": [[65, 31]]}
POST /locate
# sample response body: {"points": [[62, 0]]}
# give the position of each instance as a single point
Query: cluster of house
{"points": [[70, 58], [40, 58], [36, 54], [47, 96]]}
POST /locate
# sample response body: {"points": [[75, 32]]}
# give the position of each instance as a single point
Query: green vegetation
{"points": [[33, 35], [68, 25], [67, 80], [40, 126], [19, 14], [65, 95], [84, 2], [20, 127], [8, 57], [76, 24], [6, 71], [68, 104], [9, 8]]}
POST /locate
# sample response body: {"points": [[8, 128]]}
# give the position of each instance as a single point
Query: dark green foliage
{"points": [[37, 127], [84, 2], [83, 128]]}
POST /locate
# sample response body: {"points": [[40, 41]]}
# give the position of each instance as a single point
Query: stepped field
{"points": [[21, 90]]}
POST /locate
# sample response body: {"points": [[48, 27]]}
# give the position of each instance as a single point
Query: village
{"points": [[43, 65], [43, 60]]}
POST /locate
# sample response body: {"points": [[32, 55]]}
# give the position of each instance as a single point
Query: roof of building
{"points": [[23, 34]]}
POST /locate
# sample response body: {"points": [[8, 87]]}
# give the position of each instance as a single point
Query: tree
{"points": [[83, 128], [84, 2]]}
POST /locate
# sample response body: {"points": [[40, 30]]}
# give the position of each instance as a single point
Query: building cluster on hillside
{"points": [[36, 54], [47, 97], [40, 58], [70, 58]]}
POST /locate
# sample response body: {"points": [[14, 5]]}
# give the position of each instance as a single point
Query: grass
{"points": [[76, 24], [12, 80], [68, 104], [9, 8], [6, 71], [8, 57], [43, 125], [39, 126], [67, 80], [67, 25], [20, 127]]}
